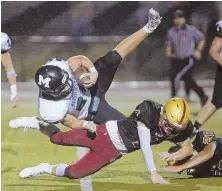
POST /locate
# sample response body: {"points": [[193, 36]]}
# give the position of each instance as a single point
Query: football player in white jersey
{"points": [[10, 71], [216, 53], [62, 100]]}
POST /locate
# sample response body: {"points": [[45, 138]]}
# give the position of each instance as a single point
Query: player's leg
{"points": [[210, 108], [174, 69], [75, 137], [102, 153], [105, 113], [107, 65], [88, 164]]}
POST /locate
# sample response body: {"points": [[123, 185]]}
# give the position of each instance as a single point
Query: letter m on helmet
{"points": [[44, 82]]}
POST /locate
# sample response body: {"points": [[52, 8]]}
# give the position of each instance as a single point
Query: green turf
{"points": [[21, 150]]}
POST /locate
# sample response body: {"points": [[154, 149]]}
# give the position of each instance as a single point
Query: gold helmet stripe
{"points": [[184, 112]]}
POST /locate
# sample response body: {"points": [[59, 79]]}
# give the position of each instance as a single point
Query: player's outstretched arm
{"points": [[200, 158], [185, 151], [215, 49], [129, 44], [72, 122], [145, 138], [11, 75]]}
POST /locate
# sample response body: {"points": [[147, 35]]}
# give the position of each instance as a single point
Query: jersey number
{"points": [[80, 103]]}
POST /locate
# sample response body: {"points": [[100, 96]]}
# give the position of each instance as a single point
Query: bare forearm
{"points": [[131, 43], [7, 63], [72, 122], [215, 49], [183, 153], [196, 160], [216, 57]]}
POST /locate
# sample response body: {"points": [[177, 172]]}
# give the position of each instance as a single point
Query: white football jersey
{"points": [[5, 42], [76, 103]]}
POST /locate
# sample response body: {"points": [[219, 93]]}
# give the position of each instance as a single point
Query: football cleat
{"points": [[34, 171], [24, 122]]}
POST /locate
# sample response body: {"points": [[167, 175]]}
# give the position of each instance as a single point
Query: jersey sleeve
{"points": [[184, 135], [52, 111], [203, 138], [143, 112], [5, 43]]}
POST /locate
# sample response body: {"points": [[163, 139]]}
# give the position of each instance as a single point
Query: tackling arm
{"points": [[201, 157], [185, 151], [145, 138], [215, 48], [72, 122]]}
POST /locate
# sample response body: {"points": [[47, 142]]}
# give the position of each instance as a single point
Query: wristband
{"points": [[84, 124], [93, 69], [11, 73], [146, 29], [13, 89]]}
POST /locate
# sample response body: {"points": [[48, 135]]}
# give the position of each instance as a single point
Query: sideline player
{"points": [[206, 160], [150, 123], [10, 71], [62, 100], [216, 53]]}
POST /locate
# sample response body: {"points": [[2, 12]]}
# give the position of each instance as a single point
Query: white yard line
{"points": [[86, 182]]}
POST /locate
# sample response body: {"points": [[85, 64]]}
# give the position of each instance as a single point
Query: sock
{"points": [[60, 169], [197, 125], [13, 89]]}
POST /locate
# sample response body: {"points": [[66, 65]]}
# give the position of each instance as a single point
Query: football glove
{"points": [[154, 21]]}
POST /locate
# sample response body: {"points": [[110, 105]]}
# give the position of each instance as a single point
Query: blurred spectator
{"points": [[184, 44]]}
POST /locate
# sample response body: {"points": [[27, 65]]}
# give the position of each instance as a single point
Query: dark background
{"points": [[42, 30]]}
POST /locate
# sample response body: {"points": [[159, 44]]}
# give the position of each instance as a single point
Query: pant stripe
{"points": [[182, 72]]}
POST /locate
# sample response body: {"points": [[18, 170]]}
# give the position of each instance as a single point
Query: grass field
{"points": [[20, 150]]}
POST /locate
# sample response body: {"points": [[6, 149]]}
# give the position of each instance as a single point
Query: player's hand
{"points": [[172, 169], [166, 156], [92, 79], [14, 100], [154, 21], [90, 126], [197, 54], [157, 179]]}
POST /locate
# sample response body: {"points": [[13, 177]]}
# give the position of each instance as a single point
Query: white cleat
{"points": [[34, 171], [24, 122]]}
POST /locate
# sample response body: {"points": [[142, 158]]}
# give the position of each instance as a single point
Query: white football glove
{"points": [[154, 21], [14, 99], [89, 126]]}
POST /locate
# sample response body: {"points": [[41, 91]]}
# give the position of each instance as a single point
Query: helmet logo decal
{"points": [[43, 81]]}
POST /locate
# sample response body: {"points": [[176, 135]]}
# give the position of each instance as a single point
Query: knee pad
{"points": [[217, 102]]}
